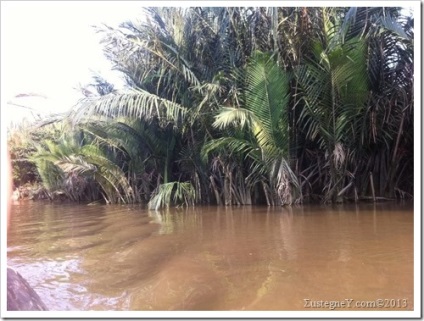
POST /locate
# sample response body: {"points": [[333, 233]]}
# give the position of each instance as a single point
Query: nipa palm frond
{"points": [[231, 145], [109, 171], [267, 97], [172, 193], [136, 104], [237, 117]]}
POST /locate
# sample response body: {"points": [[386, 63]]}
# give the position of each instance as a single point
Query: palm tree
{"points": [[334, 89], [390, 108], [174, 78], [74, 166], [158, 78], [261, 133], [194, 122]]}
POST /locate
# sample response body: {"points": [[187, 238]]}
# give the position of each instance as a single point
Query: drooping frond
{"points": [[237, 117], [136, 104], [172, 193], [231, 145], [75, 164], [109, 171]]}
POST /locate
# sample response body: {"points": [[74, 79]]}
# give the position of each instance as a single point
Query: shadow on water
{"points": [[212, 258]]}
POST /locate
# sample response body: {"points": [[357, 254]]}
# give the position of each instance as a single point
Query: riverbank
{"points": [[35, 191]]}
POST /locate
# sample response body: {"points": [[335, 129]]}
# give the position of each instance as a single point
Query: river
{"points": [[80, 257]]}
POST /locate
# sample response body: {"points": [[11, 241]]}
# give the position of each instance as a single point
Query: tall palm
{"points": [[180, 66], [139, 150], [162, 85], [390, 109], [177, 65], [261, 131], [334, 88]]}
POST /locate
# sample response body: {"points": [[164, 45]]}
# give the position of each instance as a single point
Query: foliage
{"points": [[22, 141], [81, 170], [172, 193], [242, 106], [263, 121], [334, 88]]}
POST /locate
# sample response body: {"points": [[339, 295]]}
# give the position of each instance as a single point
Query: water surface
{"points": [[80, 257]]}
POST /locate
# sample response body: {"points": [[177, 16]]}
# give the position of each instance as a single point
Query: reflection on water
{"points": [[211, 258]]}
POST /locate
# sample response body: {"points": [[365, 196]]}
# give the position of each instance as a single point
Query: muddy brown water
{"points": [[80, 257]]}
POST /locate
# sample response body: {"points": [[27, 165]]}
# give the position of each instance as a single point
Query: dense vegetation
{"points": [[242, 106]]}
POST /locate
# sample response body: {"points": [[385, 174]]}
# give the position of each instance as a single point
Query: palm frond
{"points": [[172, 193], [136, 104], [267, 97], [112, 173], [392, 24], [237, 117], [75, 164], [230, 145]]}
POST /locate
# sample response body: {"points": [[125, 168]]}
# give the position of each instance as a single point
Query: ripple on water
{"points": [[123, 258]]}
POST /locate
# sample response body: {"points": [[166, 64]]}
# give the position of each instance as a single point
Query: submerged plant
{"points": [[177, 193]]}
